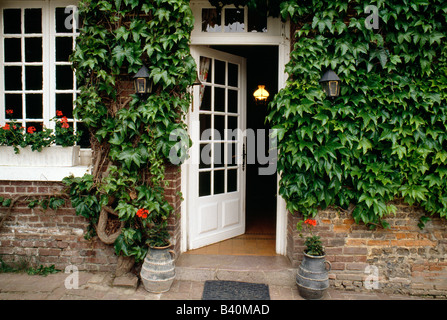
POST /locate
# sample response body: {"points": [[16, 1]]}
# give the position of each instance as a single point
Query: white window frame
{"points": [[48, 88]]}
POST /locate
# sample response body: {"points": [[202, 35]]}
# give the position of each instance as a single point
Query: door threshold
{"points": [[244, 245]]}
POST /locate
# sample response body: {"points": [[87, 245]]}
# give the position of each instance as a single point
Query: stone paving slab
{"points": [[98, 286]]}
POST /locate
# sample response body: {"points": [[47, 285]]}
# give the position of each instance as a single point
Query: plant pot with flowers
{"points": [[22, 146], [312, 277]]}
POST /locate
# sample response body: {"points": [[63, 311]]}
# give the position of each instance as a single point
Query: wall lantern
{"points": [[261, 94], [143, 85], [331, 84]]}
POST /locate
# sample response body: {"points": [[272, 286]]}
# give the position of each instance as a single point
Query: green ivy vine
{"points": [[385, 137], [131, 135]]}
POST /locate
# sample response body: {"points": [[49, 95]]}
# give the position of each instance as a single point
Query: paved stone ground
{"points": [[98, 286]]}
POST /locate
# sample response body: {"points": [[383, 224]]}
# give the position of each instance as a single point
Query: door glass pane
{"points": [[219, 99], [206, 98], [232, 128], [13, 78], [33, 49], [231, 180], [205, 126], [204, 183], [33, 78], [205, 156], [231, 154], [34, 106], [232, 101], [219, 181], [219, 127], [12, 21], [234, 20], [33, 20], [211, 20], [219, 75], [233, 76], [13, 50], [218, 155]]}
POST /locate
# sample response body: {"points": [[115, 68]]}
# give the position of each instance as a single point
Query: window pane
{"points": [[234, 20], [64, 48], [33, 77], [211, 20], [12, 20], [232, 126], [34, 106], [219, 181], [64, 77], [33, 49], [64, 103], [13, 50], [14, 102], [85, 135], [256, 22], [231, 154], [204, 183], [219, 99], [13, 78], [64, 21], [33, 20]]}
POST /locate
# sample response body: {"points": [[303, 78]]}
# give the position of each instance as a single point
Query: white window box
{"points": [[54, 156]]}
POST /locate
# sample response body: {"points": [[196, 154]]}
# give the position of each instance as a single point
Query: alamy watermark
{"points": [[371, 281], [72, 281], [372, 21]]}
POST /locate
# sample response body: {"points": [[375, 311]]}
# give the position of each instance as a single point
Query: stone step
{"points": [[271, 270]]}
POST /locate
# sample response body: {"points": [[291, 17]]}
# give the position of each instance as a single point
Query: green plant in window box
{"points": [[64, 133]]}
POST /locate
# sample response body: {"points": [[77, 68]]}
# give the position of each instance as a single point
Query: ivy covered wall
{"points": [[385, 136]]}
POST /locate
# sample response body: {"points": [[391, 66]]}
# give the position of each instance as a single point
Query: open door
{"points": [[216, 178]]}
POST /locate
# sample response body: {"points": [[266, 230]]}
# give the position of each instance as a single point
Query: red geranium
{"points": [[142, 213], [311, 222], [6, 127], [31, 130], [59, 113], [9, 111]]}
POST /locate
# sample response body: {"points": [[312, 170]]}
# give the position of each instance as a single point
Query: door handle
{"points": [[244, 156]]}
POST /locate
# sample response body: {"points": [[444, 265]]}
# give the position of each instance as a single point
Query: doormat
{"points": [[234, 290]]}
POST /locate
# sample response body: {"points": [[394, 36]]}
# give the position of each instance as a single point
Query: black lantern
{"points": [[143, 85], [331, 84]]}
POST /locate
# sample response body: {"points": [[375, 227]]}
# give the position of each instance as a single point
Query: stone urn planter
{"points": [[158, 269], [312, 277], [54, 156]]}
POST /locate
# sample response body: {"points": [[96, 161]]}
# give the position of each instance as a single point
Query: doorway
{"points": [[259, 237]]}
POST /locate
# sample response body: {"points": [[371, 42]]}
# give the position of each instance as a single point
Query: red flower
{"points": [[59, 113], [65, 125], [9, 111], [142, 213], [31, 130], [311, 222], [64, 119], [6, 127]]}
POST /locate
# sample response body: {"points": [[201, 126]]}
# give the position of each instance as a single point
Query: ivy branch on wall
{"points": [[130, 136], [385, 137]]}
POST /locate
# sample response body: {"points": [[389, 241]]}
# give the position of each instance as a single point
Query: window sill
{"points": [[16, 173]]}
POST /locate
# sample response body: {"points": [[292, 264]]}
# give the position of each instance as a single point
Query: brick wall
{"points": [[57, 237], [49, 237], [402, 259]]}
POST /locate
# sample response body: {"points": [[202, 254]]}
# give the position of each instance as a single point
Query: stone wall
{"points": [[402, 259]]}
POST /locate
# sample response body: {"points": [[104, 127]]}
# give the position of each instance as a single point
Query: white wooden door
{"points": [[216, 181]]}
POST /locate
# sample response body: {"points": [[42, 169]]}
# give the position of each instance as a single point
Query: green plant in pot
{"points": [[312, 277]]}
